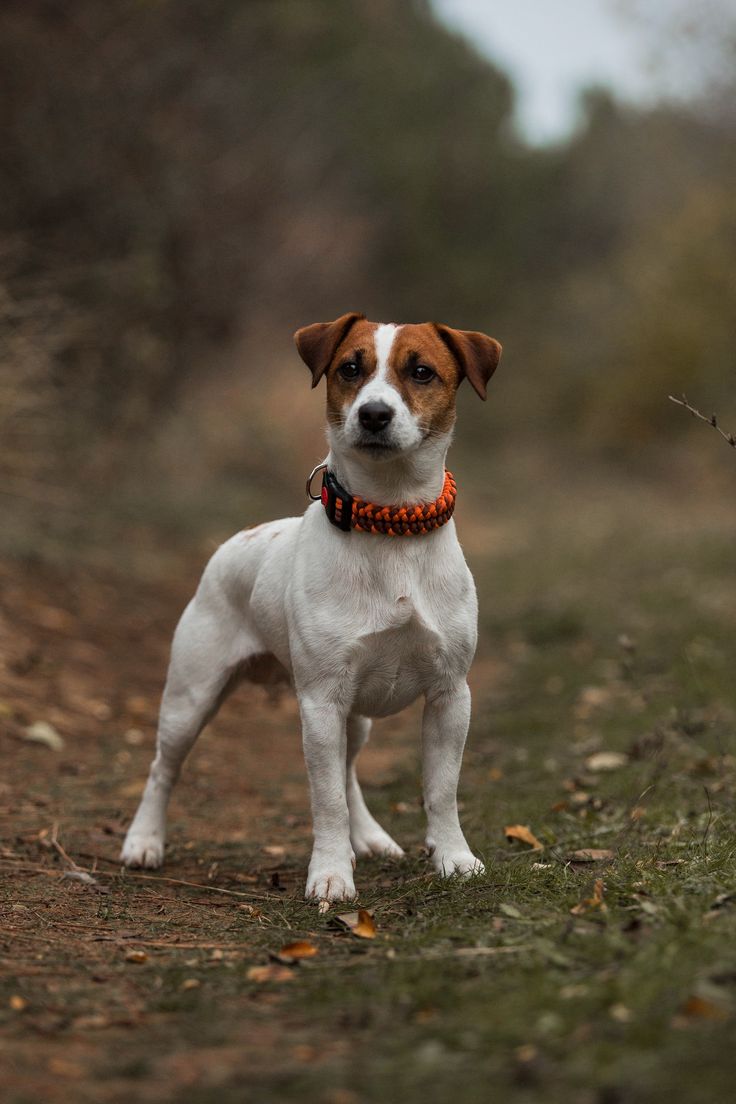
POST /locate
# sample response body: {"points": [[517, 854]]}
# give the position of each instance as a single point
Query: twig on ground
{"points": [[194, 885], [712, 421], [38, 868], [54, 841]]}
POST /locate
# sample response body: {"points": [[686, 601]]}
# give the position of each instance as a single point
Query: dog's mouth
{"points": [[377, 448]]}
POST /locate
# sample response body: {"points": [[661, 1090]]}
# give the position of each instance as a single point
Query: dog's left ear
{"points": [[477, 355], [317, 343]]}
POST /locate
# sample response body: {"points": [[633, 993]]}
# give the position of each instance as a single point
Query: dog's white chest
{"points": [[393, 665], [390, 620]]}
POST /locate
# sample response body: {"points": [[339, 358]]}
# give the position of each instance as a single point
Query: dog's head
{"points": [[390, 388]]}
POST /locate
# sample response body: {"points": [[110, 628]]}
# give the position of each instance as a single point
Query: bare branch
{"points": [[712, 421]]}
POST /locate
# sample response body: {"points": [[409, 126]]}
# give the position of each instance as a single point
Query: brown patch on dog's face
{"points": [[426, 375], [359, 349]]}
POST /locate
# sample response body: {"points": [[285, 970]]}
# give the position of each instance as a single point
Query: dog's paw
{"points": [[462, 864], [330, 885], [143, 850], [375, 841]]}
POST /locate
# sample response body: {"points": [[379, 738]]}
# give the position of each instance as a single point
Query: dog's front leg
{"points": [[330, 875], [444, 731]]}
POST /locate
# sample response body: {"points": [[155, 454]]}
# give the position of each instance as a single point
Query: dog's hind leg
{"points": [[210, 647], [366, 834]]}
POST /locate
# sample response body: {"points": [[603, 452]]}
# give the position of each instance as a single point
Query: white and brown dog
{"points": [[363, 607]]}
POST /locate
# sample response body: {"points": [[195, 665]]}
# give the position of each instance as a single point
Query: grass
{"points": [[611, 633]]}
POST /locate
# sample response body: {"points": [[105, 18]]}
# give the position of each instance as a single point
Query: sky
{"points": [[554, 48]]}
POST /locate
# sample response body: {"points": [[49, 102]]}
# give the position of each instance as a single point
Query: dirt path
{"points": [[86, 654]]}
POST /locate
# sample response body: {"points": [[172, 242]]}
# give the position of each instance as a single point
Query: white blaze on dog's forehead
{"points": [[383, 340]]}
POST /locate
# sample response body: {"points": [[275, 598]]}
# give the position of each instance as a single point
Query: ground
{"points": [[603, 723]]}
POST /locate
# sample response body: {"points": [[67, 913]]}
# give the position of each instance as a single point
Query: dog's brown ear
{"points": [[477, 355], [317, 343]]}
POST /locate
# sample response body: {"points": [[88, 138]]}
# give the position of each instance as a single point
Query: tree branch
{"points": [[712, 421]]}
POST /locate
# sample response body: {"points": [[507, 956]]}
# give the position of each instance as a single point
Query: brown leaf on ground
{"points": [[136, 956], [251, 910], [292, 952], [589, 904], [701, 1008], [523, 833], [360, 923], [591, 854], [273, 972], [17, 1003]]}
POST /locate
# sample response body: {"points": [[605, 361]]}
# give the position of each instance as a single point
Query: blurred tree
{"points": [[178, 179]]}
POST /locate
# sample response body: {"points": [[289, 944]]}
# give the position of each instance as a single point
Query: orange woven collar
{"points": [[348, 512]]}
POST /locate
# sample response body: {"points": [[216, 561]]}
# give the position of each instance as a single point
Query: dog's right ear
{"points": [[318, 343]]}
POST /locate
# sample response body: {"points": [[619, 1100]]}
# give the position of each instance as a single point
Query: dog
{"points": [[364, 604]]}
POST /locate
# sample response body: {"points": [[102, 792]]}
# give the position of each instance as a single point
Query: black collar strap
{"points": [[346, 511]]}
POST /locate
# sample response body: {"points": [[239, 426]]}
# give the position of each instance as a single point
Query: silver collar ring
{"points": [[319, 468]]}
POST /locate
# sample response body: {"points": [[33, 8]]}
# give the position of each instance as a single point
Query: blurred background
{"points": [[184, 184]]}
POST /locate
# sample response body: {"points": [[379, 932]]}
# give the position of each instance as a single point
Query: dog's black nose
{"points": [[375, 416]]}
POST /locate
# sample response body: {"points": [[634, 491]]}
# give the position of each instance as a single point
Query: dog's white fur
{"points": [[362, 625]]}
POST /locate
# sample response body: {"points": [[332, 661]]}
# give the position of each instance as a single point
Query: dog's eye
{"points": [[422, 373], [350, 370]]}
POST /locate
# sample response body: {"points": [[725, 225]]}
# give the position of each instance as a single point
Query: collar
{"points": [[346, 511]]}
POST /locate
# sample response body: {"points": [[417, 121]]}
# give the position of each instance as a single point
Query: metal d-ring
{"points": [[320, 467]]}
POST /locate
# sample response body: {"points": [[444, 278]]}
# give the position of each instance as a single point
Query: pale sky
{"points": [[553, 48]]}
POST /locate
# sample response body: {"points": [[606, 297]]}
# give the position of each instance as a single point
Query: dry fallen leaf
{"points": [[17, 1003], [360, 923], [251, 911], [591, 903], [292, 952], [43, 733], [136, 956], [524, 833], [495, 774], [274, 851], [700, 1008], [190, 983], [591, 854], [272, 972], [606, 761]]}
